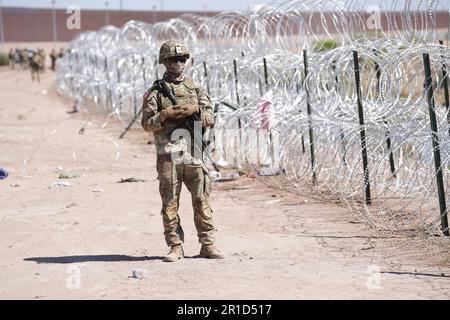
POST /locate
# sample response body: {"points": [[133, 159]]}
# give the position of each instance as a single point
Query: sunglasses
{"points": [[181, 59]]}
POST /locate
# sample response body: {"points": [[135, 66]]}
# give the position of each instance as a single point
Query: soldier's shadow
{"points": [[91, 258], [96, 258]]}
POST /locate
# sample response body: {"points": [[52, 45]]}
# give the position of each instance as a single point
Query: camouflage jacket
{"points": [[185, 92]]}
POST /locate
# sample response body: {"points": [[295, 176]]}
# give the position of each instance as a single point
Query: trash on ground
{"points": [[97, 190], [82, 129], [3, 173], [60, 184], [72, 204], [139, 274], [269, 171], [217, 177], [241, 172], [222, 163], [122, 180], [63, 175], [240, 188], [250, 175], [273, 201]]}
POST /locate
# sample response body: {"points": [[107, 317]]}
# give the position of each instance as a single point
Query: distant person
{"points": [[61, 53], [17, 58], [53, 57], [11, 58], [20, 55], [24, 59], [41, 53], [30, 53], [35, 66]]}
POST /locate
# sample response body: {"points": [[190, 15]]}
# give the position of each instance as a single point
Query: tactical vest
{"points": [[186, 92]]}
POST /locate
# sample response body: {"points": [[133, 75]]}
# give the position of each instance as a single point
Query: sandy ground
{"points": [[84, 240]]}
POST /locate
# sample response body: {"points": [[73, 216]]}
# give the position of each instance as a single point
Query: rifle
{"points": [[156, 85], [131, 124], [189, 122]]}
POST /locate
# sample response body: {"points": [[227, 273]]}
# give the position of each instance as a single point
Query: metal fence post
{"points": [[445, 85], [205, 69], [308, 110], [436, 147], [362, 130], [238, 102], [341, 132], [388, 134]]}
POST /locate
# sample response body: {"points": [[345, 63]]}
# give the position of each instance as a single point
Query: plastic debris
{"points": [[122, 180], [60, 184], [82, 129], [269, 171], [222, 163], [229, 177], [3, 173], [63, 175], [69, 205], [265, 114], [139, 274], [250, 175], [273, 201], [215, 175]]}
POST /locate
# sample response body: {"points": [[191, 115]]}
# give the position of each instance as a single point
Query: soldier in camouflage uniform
{"points": [[35, 66], [53, 57], [176, 161], [41, 53], [24, 58], [11, 58]]}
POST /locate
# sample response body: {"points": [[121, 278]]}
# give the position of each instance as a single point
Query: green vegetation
{"points": [[325, 45]]}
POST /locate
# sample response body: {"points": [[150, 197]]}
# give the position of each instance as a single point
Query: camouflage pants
{"points": [[196, 179], [34, 73]]}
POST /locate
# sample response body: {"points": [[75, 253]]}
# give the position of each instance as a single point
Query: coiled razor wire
{"points": [[289, 106]]}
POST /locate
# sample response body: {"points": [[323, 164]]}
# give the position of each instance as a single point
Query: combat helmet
{"points": [[172, 48]]}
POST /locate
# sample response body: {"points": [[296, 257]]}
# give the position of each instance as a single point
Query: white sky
{"points": [[188, 5], [194, 5]]}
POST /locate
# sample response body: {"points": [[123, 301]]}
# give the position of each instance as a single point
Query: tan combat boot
{"points": [[175, 253], [211, 252]]}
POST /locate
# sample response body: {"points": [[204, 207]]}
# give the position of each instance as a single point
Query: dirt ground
{"points": [[83, 240]]}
